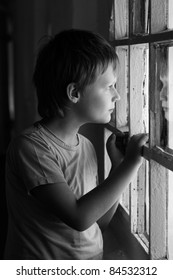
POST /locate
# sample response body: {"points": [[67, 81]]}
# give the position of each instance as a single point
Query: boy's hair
{"points": [[72, 56]]}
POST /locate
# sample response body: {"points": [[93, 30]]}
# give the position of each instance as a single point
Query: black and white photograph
{"points": [[86, 146]]}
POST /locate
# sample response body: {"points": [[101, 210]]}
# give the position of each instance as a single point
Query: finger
{"points": [[140, 135], [112, 138], [142, 138]]}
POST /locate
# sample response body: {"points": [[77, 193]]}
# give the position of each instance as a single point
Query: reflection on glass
{"points": [[163, 93], [165, 86]]}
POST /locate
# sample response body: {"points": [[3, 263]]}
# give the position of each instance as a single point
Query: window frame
{"points": [[160, 161]]}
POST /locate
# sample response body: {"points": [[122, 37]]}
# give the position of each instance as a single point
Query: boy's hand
{"points": [[122, 139], [115, 154], [134, 147], [117, 151]]}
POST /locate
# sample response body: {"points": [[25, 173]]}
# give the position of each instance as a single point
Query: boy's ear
{"points": [[73, 93]]}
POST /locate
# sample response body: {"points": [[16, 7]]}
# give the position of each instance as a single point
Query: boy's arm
{"points": [[104, 221], [81, 214]]}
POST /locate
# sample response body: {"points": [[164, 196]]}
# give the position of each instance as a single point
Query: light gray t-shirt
{"points": [[36, 157]]}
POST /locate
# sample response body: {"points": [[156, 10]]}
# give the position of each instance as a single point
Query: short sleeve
{"points": [[36, 164]]}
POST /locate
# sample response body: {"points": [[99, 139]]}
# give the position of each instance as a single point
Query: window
{"points": [[141, 33]]}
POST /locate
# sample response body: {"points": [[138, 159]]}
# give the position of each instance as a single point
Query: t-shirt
{"points": [[36, 157]]}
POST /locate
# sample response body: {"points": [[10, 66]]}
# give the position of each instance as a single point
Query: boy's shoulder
{"points": [[24, 137]]}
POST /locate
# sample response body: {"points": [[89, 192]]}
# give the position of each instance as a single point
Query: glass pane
{"points": [[170, 216], [120, 15], [159, 15], [140, 13], [122, 106]]}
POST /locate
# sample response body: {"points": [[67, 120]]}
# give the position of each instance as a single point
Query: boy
{"points": [[56, 207]]}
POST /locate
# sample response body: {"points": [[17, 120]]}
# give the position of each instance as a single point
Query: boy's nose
{"points": [[116, 96]]}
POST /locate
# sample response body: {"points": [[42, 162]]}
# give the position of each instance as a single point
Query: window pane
{"points": [[120, 15], [140, 13], [159, 15], [163, 93]]}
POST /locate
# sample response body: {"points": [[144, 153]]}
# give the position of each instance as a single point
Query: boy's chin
{"points": [[101, 119], [107, 119], [104, 121]]}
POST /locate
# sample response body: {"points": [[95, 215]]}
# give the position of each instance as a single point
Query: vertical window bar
{"points": [[140, 16], [158, 211], [158, 175], [138, 123]]}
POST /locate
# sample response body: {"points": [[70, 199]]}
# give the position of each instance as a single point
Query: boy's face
{"points": [[98, 99]]}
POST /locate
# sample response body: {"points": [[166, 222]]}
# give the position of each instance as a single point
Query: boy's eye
{"points": [[112, 86]]}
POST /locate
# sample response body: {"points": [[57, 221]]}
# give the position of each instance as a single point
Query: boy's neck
{"points": [[64, 129]]}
